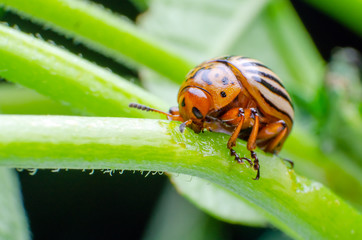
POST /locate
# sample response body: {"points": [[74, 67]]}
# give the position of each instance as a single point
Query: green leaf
{"points": [[142, 5], [302, 208], [175, 218], [218, 202], [13, 224], [342, 125]]}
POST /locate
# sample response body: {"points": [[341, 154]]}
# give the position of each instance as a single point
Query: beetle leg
{"points": [[286, 160], [275, 132], [274, 143], [234, 154], [256, 165], [235, 134], [251, 145], [184, 124], [232, 140], [271, 130]]}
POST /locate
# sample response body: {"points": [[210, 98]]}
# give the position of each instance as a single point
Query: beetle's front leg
{"points": [[235, 117], [251, 145], [232, 117]]}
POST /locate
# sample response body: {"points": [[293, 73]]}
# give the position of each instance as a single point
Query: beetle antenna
{"points": [[147, 109]]}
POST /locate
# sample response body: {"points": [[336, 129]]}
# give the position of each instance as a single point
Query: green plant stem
{"points": [[89, 89], [331, 169], [103, 31], [67, 78], [298, 206], [19, 100]]}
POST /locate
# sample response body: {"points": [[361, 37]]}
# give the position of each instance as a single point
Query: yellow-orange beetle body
{"points": [[239, 96]]}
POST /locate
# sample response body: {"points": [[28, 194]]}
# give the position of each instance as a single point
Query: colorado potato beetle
{"points": [[239, 96]]}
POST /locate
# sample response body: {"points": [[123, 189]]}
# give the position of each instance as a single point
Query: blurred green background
{"points": [[79, 205]]}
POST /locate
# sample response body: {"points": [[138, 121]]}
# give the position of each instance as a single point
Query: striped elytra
{"points": [[238, 96]]}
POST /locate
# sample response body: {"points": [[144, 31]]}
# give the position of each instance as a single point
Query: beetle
{"points": [[239, 96]]}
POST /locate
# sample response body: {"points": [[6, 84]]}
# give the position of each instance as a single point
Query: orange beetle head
{"points": [[194, 104]]}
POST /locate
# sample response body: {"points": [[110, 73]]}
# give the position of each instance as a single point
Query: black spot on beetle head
{"points": [[223, 94]]}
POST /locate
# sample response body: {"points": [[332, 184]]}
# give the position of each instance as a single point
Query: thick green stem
{"points": [[103, 31], [67, 78], [302, 208], [19, 100]]}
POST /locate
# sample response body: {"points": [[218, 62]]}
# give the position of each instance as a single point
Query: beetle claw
{"points": [[237, 158], [248, 160], [287, 160], [182, 127], [256, 165], [184, 124]]}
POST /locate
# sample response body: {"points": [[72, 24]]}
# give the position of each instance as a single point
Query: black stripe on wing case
{"points": [[269, 76], [275, 107], [272, 89], [257, 64]]}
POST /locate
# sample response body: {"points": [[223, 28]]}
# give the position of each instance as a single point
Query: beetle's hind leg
{"points": [[239, 119]]}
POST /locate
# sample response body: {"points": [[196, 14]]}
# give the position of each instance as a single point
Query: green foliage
{"points": [[13, 224], [212, 199], [267, 30]]}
